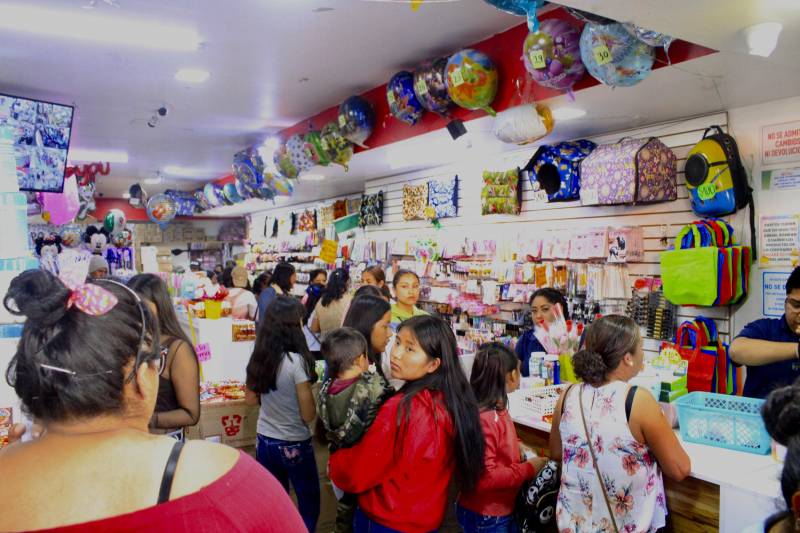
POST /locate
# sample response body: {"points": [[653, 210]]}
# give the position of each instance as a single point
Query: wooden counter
{"points": [[727, 491]]}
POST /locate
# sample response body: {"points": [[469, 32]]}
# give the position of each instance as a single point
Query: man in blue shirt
{"points": [[769, 346]]}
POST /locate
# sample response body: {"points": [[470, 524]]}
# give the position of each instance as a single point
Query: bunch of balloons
{"points": [[114, 223]]}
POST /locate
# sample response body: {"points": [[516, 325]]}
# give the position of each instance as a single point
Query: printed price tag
{"points": [[601, 54], [422, 87], [457, 77], [537, 59], [539, 197], [342, 121], [707, 191], [390, 97]]}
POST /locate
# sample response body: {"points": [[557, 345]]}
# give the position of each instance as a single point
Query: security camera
{"points": [[162, 111]]}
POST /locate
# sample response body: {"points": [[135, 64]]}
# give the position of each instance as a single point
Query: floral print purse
{"points": [[371, 209], [443, 197], [415, 200]]}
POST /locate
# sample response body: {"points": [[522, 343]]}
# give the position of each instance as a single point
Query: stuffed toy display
{"points": [[47, 249]]}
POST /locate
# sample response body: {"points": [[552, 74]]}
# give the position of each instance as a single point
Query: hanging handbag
{"points": [[594, 462]]}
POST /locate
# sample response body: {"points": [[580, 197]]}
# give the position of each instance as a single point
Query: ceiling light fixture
{"points": [[762, 39], [93, 26], [153, 181], [178, 170], [312, 177], [88, 154], [567, 113], [192, 75]]}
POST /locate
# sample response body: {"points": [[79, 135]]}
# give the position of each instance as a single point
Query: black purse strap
{"points": [[169, 472]]}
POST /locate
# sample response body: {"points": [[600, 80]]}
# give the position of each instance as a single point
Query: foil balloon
{"points": [[430, 86], [403, 102], [316, 152], [523, 8], [614, 56], [472, 80], [114, 221], [649, 37], [339, 149], [213, 194], [356, 120], [301, 159], [61, 208], [552, 55], [283, 161], [161, 209], [71, 235], [279, 185], [231, 194], [202, 201]]}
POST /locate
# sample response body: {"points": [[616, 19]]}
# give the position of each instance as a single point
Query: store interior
{"points": [[425, 135]]}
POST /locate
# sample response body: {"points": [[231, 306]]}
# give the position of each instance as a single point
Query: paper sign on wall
{"points": [[785, 178], [780, 143], [779, 241], [774, 287], [328, 252]]}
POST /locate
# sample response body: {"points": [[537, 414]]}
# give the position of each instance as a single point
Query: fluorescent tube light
{"points": [[88, 154]]}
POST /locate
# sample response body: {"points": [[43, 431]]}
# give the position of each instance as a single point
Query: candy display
{"points": [[219, 391], [552, 54], [472, 80]]}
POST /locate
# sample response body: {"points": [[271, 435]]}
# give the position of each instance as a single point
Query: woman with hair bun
{"points": [[87, 369], [781, 414], [606, 429]]}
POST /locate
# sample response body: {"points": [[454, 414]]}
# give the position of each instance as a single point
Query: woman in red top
{"points": [[87, 369], [402, 467], [489, 506]]}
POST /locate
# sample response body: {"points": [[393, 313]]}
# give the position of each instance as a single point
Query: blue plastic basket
{"points": [[723, 421]]}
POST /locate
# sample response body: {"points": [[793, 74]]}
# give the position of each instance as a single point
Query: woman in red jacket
{"points": [[430, 430], [489, 506]]}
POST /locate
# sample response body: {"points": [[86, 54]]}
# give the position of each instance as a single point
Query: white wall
{"points": [[745, 124]]}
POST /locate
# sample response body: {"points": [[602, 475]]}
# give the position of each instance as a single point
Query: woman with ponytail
{"points": [[333, 305], [489, 506], [782, 417], [604, 429], [422, 436]]}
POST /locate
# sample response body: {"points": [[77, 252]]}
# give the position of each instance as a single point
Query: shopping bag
{"points": [[690, 277]]}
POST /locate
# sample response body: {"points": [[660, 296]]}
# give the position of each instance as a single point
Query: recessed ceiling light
{"points": [[192, 75], [762, 39], [568, 113], [312, 177], [321, 9], [88, 154], [95, 26]]}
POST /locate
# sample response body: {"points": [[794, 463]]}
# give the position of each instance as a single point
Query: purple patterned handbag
{"points": [[632, 171]]}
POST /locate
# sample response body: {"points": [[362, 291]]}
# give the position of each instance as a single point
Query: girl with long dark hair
{"points": [[372, 316], [376, 277], [495, 373], [422, 436], [333, 304], [178, 404], [543, 303], [282, 282], [279, 377]]}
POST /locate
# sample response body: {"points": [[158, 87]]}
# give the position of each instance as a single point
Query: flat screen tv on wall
{"points": [[41, 132]]}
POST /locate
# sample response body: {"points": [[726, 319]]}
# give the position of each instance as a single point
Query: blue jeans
{"points": [[364, 524], [293, 462], [472, 522]]}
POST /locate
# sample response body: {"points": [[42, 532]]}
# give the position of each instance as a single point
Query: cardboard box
{"points": [[230, 422]]}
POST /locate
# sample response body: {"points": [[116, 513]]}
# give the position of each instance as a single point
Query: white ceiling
{"points": [[257, 51]]}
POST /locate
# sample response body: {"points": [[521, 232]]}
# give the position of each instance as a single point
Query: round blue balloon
{"points": [[523, 8], [202, 201], [403, 103], [213, 193], [356, 119], [614, 56], [231, 194]]}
